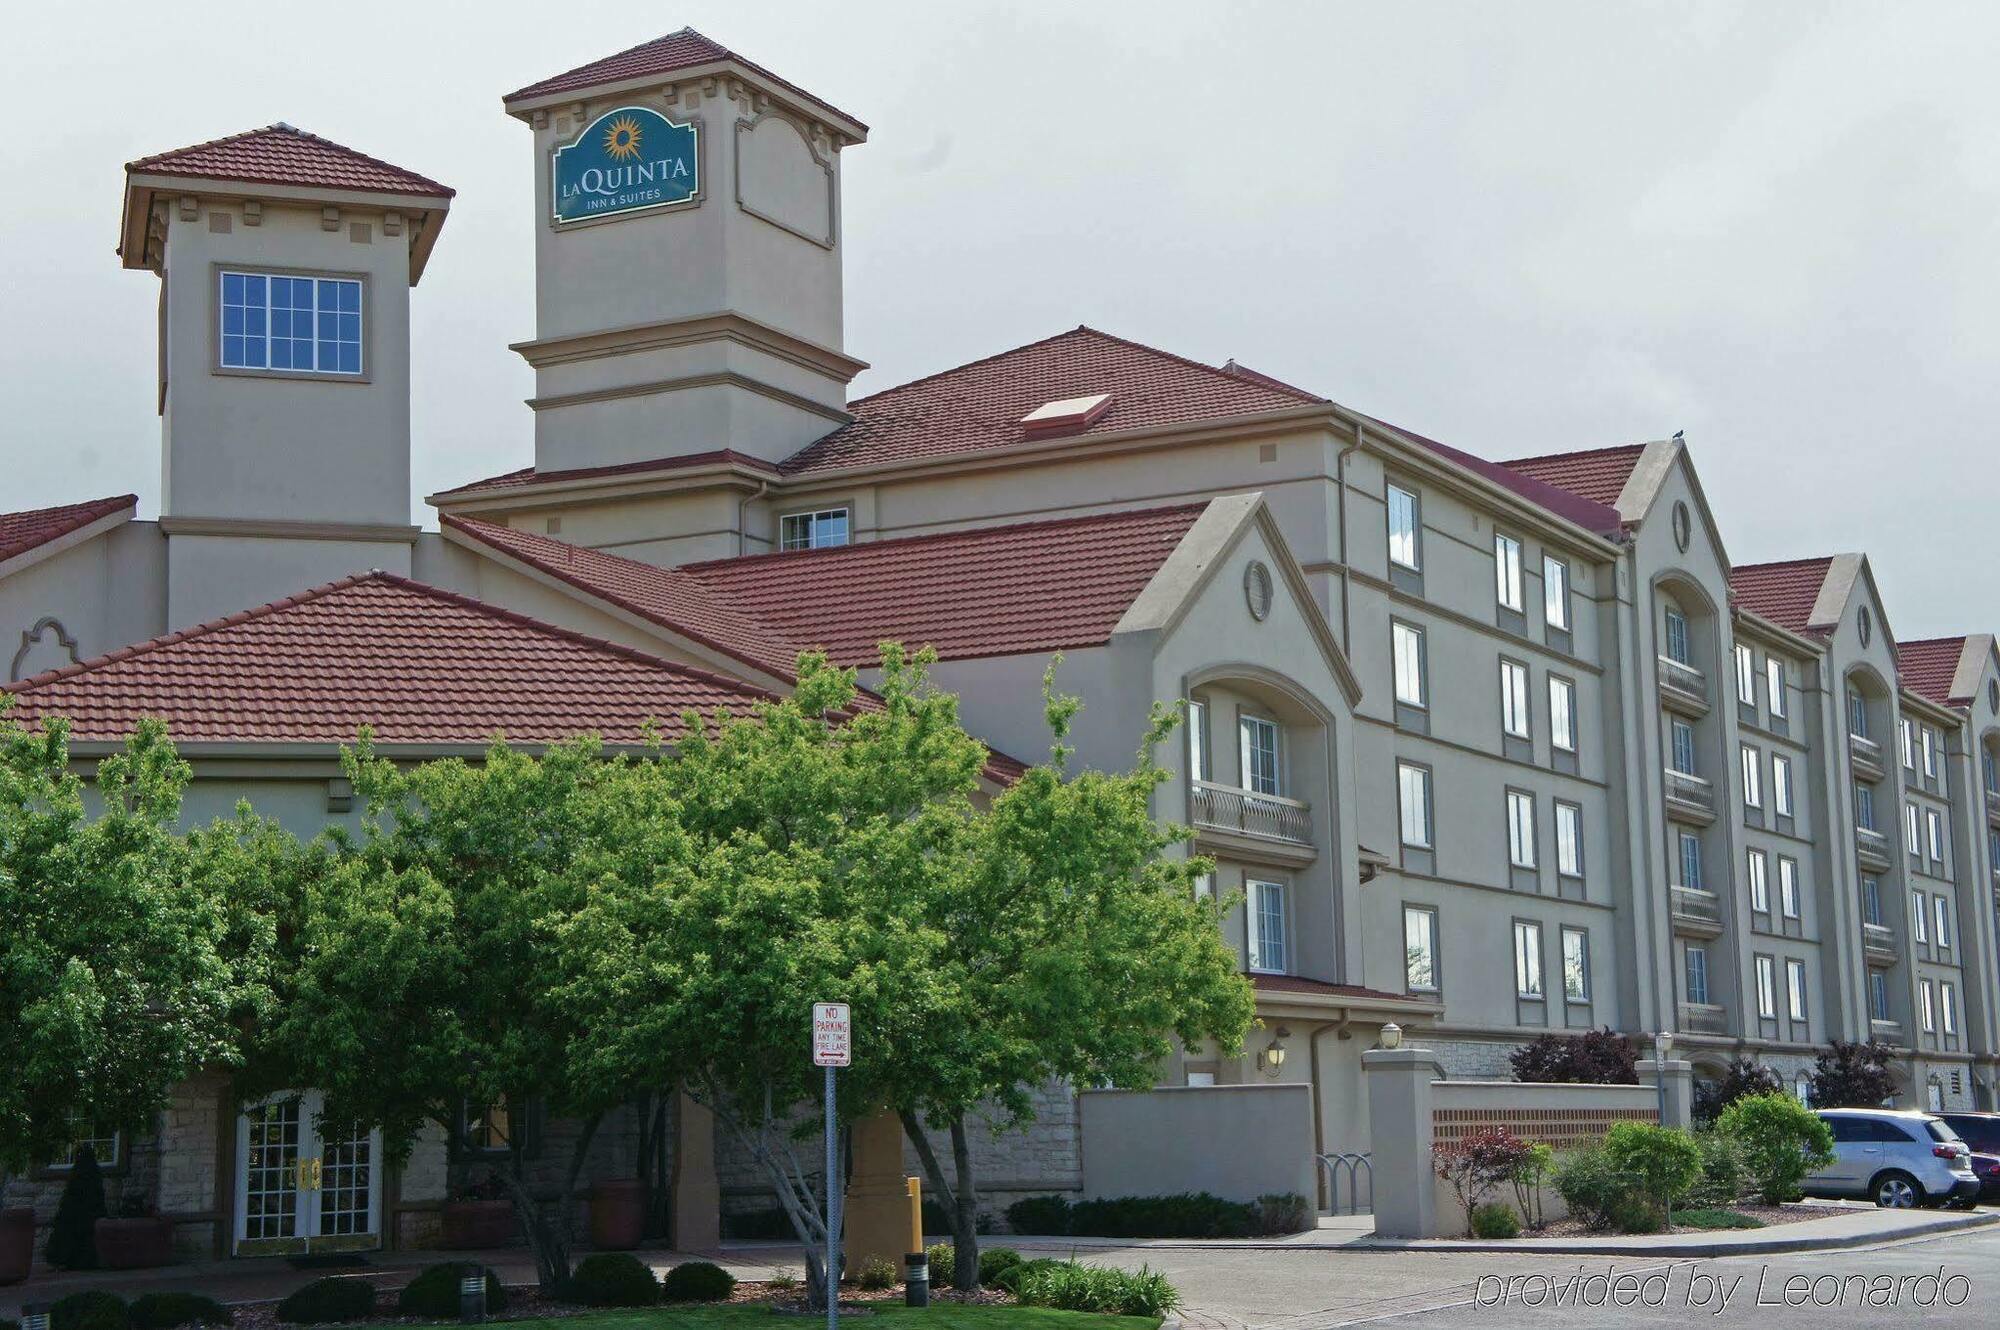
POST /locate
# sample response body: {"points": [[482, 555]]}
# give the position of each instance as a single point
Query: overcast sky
{"points": [[1519, 228]]}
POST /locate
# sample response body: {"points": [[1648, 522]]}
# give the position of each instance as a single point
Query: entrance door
{"points": [[300, 1191]]}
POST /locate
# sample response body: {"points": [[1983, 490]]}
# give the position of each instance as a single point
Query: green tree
{"points": [[1660, 1163], [1782, 1141], [429, 962], [127, 964], [1073, 948]]}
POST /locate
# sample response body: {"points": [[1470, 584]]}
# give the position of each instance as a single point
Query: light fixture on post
{"points": [[472, 1295], [35, 1316], [1392, 1035], [1272, 1059]]}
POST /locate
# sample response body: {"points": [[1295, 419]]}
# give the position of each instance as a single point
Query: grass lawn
{"points": [[937, 1316], [1715, 1219]]}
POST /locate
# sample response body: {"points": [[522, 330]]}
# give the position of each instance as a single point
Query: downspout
{"points": [[1319, 1105], [1346, 580], [743, 509]]}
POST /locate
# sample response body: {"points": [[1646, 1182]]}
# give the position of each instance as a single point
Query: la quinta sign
{"points": [[626, 160]]}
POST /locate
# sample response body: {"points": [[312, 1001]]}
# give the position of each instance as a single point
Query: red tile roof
{"points": [[1292, 983], [24, 531], [669, 597], [281, 155], [420, 665], [979, 406], [1586, 513], [994, 591], [1597, 474], [685, 49], [528, 475], [1784, 593], [1927, 668]]}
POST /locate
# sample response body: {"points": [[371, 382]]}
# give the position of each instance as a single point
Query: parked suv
{"points": [[1981, 1133], [1895, 1158]]}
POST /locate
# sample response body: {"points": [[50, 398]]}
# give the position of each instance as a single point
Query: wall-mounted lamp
{"points": [[1392, 1035], [1272, 1059]]}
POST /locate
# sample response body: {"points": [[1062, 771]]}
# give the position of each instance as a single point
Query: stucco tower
{"points": [[285, 264], [687, 258]]}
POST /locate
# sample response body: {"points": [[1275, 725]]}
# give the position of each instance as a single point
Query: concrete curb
{"points": [[1773, 1241], [1689, 1245]]}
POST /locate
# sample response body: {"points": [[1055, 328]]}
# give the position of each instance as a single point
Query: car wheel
{"points": [[1897, 1191]]}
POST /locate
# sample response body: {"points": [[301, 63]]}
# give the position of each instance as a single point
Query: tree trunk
{"points": [[551, 1237], [770, 1147], [960, 1197]]}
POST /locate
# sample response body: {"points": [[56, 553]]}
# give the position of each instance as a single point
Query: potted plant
{"points": [[136, 1239], [617, 1213], [479, 1214], [17, 1243]]}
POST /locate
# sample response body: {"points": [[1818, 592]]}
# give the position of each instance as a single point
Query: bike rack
{"points": [[1355, 1167]]}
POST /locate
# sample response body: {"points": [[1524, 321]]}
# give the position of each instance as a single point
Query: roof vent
{"points": [[1067, 416]]}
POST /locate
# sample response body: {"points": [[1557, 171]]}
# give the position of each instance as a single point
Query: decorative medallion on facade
{"points": [[628, 160], [1683, 527], [1866, 622], [1257, 589]]}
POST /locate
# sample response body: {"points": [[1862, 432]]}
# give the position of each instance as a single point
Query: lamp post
{"points": [[1663, 1044], [472, 1295], [35, 1316]]}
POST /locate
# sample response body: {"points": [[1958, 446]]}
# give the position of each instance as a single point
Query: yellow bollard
{"points": [[916, 1265], [916, 1189]]}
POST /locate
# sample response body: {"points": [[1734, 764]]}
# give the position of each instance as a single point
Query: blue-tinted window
{"points": [[298, 324], [1878, 995], [1682, 735], [1677, 637], [1871, 900], [1697, 974], [1690, 860]]}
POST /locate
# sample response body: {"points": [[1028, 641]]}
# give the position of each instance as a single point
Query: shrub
{"points": [[164, 1311], [1853, 1075], [1185, 1215], [1595, 1057], [329, 1299], [782, 1281], [1528, 1177], [874, 1275], [1634, 1213], [1739, 1080], [1781, 1140], [1724, 1173], [1478, 1163], [1660, 1163], [1706, 1217], [434, 1292], [1590, 1184], [1495, 1220], [704, 1281], [72, 1241], [943, 1258], [613, 1279], [93, 1309], [995, 1261], [1281, 1212], [1068, 1286], [1046, 1216], [1010, 1279]]}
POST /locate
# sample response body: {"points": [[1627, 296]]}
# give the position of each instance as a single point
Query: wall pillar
{"points": [[697, 1196], [877, 1209], [1398, 1082], [1680, 1089]]}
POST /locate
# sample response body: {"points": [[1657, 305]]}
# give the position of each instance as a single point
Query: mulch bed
{"points": [[1770, 1215], [526, 1303]]}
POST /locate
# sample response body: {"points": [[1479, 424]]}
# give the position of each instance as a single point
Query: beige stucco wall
{"points": [[1235, 1141]]}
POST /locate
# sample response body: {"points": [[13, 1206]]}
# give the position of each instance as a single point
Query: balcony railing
{"points": [[1885, 1029], [1865, 755], [1690, 793], [1683, 684], [1704, 1018], [1696, 910], [1879, 941], [1265, 816], [1872, 846], [1993, 806]]}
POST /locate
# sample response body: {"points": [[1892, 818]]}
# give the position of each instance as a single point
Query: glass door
{"points": [[297, 1191]]}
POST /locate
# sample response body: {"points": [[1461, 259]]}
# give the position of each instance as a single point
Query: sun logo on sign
{"points": [[621, 139]]}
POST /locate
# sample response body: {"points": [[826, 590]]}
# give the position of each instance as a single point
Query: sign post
{"points": [[833, 1046]]}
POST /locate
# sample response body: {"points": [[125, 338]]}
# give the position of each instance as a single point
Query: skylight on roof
{"points": [[1065, 416]]}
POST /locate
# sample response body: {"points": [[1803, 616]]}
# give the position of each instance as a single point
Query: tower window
{"points": [[290, 325]]}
